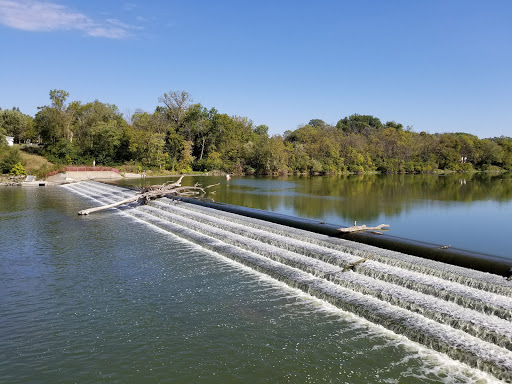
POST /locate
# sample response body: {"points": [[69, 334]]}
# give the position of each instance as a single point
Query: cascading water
{"points": [[464, 313]]}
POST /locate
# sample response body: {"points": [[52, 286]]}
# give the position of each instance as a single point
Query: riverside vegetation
{"points": [[181, 136]]}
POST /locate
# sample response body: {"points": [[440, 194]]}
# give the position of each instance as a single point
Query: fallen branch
{"points": [[351, 266], [154, 192], [95, 209], [362, 228]]}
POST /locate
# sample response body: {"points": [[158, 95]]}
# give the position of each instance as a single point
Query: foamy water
{"points": [[464, 314]]}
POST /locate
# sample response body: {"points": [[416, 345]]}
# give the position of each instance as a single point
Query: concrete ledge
{"points": [[84, 175]]}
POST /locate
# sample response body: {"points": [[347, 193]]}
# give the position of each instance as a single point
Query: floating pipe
{"points": [[473, 260]]}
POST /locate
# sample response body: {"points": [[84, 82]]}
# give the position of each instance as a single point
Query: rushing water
{"points": [[471, 212], [107, 298]]}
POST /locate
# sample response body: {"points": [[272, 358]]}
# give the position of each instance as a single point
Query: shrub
{"points": [[18, 170], [11, 158]]}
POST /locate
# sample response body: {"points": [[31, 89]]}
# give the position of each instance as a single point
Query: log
{"points": [[154, 192], [95, 209], [351, 266], [362, 228]]}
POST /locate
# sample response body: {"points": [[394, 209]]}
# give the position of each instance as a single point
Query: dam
{"points": [[463, 313]]}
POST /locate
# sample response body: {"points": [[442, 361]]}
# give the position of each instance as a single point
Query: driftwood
{"points": [[347, 268], [362, 228], [352, 265], [152, 192]]}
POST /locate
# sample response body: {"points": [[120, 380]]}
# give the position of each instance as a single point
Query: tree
{"points": [[46, 125], [106, 138], [176, 104], [58, 98], [492, 153], [186, 158], [14, 123], [360, 124], [261, 130], [198, 127], [65, 115], [449, 151], [231, 134], [54, 122], [393, 124], [317, 123]]}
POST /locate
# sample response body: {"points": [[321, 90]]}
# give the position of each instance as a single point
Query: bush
{"points": [[11, 158], [44, 170], [200, 165], [248, 170], [18, 170], [33, 149], [491, 168], [356, 168], [315, 166], [63, 152]]}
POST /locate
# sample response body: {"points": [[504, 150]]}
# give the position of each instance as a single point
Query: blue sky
{"points": [[437, 65]]}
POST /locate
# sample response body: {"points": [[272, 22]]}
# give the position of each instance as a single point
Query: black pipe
{"points": [[478, 261]]}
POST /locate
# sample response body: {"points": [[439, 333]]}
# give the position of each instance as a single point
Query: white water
{"points": [[464, 313]]}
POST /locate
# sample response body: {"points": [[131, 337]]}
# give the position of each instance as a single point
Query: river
{"points": [[471, 212], [107, 298]]}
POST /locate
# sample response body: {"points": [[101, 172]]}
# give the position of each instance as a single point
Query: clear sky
{"points": [[435, 65]]}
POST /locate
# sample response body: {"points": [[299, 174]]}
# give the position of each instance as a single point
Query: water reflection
{"points": [[352, 196], [467, 211]]}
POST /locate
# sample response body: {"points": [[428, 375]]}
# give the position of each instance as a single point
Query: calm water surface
{"points": [[472, 212], [105, 298]]}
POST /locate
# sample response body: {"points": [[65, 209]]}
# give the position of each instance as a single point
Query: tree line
{"points": [[182, 136]]}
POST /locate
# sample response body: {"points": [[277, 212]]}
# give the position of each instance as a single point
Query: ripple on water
{"points": [[118, 301]]}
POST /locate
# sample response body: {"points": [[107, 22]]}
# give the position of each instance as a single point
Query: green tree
{"points": [[176, 104], [11, 157], [199, 129], [3, 141], [492, 153], [54, 122], [186, 158], [231, 134], [46, 123], [58, 98], [14, 123], [261, 130], [64, 115], [317, 123], [359, 124]]}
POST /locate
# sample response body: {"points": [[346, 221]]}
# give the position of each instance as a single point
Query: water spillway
{"points": [[464, 313], [463, 258]]}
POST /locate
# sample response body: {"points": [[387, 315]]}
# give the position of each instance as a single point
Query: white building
{"points": [[10, 140]]}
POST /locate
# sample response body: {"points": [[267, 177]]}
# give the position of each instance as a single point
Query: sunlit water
{"points": [[471, 212], [107, 298]]}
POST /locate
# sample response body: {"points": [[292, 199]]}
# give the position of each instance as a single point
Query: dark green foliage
{"points": [[359, 124], [63, 152], [181, 136], [10, 158]]}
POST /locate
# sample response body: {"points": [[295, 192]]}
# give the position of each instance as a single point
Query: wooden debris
{"points": [[351, 266], [362, 228], [348, 267], [152, 192]]}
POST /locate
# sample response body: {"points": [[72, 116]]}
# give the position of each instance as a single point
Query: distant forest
{"points": [[181, 136]]}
